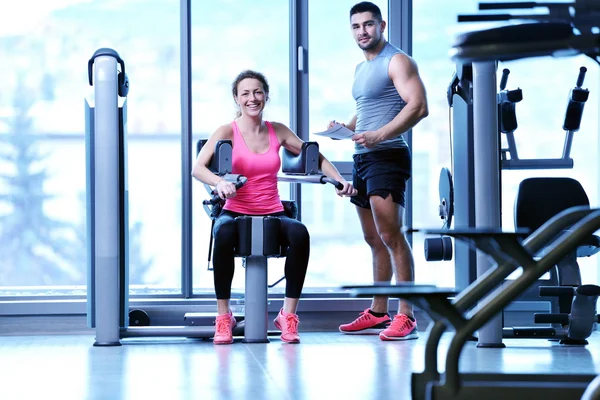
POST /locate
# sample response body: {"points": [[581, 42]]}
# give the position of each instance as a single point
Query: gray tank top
{"points": [[377, 100]]}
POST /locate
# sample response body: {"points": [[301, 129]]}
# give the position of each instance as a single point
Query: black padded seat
{"points": [[539, 199]]}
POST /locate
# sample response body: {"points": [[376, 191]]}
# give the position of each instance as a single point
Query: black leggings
{"points": [[293, 234]]}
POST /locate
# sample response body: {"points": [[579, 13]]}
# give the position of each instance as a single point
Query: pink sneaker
{"points": [[223, 328], [401, 328], [287, 323], [366, 324]]}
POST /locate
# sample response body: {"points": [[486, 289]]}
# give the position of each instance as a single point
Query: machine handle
{"points": [[484, 18], [509, 5], [556, 291], [581, 76], [100, 53], [562, 318], [504, 79], [215, 199], [338, 185]]}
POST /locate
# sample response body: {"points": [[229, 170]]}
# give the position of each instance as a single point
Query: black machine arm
{"points": [[567, 28], [300, 168], [507, 116], [507, 121], [583, 13], [304, 168]]}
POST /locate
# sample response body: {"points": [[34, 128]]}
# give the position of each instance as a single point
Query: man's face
{"points": [[366, 29]]}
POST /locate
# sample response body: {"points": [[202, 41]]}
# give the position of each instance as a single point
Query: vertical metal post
{"points": [[106, 202], [186, 148], [487, 175], [465, 258], [255, 327], [90, 202], [400, 16], [299, 119], [256, 316]]}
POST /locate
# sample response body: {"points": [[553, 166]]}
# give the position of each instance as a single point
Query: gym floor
{"points": [[324, 366]]}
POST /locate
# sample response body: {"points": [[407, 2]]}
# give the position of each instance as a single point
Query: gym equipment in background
{"points": [[476, 308]]}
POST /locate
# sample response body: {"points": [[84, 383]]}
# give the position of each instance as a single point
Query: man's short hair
{"points": [[366, 6]]}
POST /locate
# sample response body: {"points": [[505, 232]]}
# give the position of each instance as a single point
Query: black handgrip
{"points": [[338, 185], [581, 76], [508, 5], [215, 199], [483, 18], [556, 291], [241, 180], [212, 201], [577, 100], [562, 318], [504, 78]]}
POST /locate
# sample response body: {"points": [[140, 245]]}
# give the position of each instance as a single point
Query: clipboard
{"points": [[338, 131]]}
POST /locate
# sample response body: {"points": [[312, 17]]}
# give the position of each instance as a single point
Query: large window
{"points": [[43, 81], [339, 254], [227, 38]]}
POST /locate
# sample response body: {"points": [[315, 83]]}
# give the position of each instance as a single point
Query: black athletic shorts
{"points": [[381, 173]]}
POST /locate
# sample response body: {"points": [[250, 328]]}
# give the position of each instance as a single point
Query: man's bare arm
{"points": [[404, 74], [352, 124]]}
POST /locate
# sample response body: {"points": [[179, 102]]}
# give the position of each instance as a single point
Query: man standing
{"points": [[390, 100]]}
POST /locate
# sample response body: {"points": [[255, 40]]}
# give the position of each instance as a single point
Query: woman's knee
{"points": [[224, 231], [298, 233]]}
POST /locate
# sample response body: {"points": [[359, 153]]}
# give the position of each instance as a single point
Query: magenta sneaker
{"points": [[223, 328], [287, 323], [401, 328], [366, 324]]}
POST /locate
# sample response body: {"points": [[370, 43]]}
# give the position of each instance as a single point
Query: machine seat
{"points": [[540, 198]]}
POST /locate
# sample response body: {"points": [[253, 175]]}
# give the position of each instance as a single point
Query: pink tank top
{"points": [[260, 195]]}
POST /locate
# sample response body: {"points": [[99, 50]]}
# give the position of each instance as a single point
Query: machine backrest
{"points": [[199, 144], [539, 199]]}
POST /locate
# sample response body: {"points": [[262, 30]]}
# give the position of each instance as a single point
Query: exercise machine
{"points": [[460, 99], [258, 235], [507, 119], [456, 195], [470, 309], [108, 308]]}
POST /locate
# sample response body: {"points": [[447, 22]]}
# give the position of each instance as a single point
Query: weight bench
{"points": [[472, 308]]}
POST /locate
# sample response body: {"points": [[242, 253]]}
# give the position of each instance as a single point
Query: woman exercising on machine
{"points": [[255, 155]]}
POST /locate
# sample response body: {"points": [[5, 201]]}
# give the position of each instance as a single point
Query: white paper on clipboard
{"points": [[338, 131]]}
